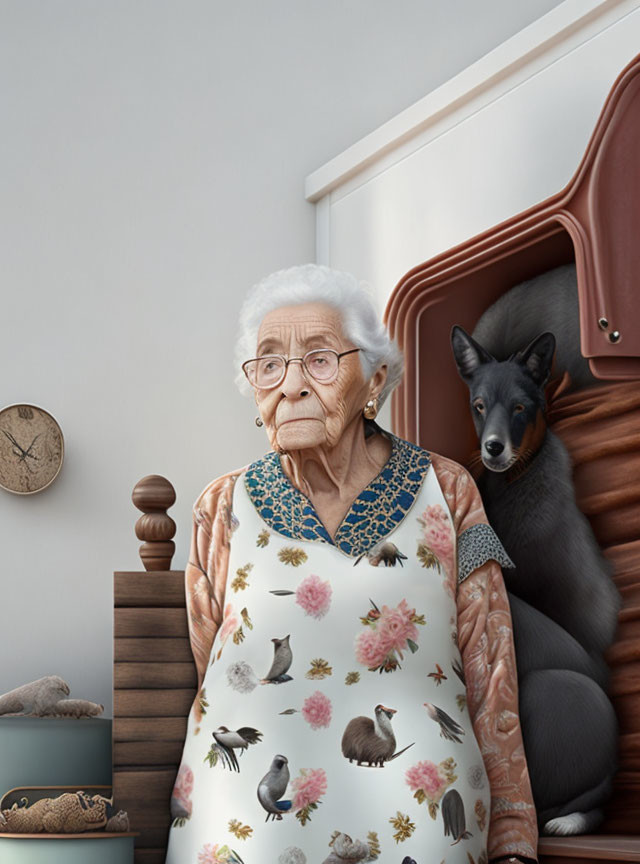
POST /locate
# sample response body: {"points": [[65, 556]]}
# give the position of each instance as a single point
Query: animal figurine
{"points": [[282, 659], [449, 729], [563, 602], [453, 817], [227, 741], [46, 698], [69, 813], [371, 741], [273, 786]]}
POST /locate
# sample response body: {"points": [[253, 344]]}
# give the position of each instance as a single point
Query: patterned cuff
{"points": [[476, 545]]}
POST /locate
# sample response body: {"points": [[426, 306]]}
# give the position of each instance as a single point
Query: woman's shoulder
{"points": [[220, 488]]}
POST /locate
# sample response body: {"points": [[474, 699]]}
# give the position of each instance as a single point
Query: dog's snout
{"points": [[494, 447]]}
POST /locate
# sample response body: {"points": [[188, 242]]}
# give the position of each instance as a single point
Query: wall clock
{"points": [[31, 449]]}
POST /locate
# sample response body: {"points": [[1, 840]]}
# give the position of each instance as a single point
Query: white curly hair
{"points": [[314, 283]]}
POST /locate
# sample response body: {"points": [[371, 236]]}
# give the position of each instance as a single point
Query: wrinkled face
{"points": [[300, 412]]}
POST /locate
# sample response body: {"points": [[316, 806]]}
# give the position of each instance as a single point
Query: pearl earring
{"points": [[370, 410]]}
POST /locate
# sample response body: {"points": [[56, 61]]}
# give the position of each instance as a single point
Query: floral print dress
{"points": [[358, 700]]}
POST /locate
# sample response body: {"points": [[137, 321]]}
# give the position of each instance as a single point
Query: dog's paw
{"points": [[573, 823]]}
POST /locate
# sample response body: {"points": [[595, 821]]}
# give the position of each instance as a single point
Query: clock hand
{"points": [[14, 442], [28, 452]]}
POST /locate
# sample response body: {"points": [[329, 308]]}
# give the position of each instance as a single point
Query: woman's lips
{"points": [[297, 419]]}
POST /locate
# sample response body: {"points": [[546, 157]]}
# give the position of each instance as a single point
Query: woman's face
{"points": [[301, 412]]}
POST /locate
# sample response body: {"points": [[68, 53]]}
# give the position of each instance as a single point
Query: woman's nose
{"points": [[294, 383]]}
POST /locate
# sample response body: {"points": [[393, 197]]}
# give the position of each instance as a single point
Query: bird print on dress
{"points": [[282, 659], [438, 676], [386, 553], [389, 632], [371, 742], [449, 728], [272, 787], [457, 668], [453, 817], [242, 678], [226, 741]]}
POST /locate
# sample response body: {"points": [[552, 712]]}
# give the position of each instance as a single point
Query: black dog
{"points": [[563, 601]]}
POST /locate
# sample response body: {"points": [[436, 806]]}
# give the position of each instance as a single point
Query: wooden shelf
{"points": [[588, 848], [89, 835]]}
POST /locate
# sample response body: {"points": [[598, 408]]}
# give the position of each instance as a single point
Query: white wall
{"points": [[503, 135], [152, 164]]}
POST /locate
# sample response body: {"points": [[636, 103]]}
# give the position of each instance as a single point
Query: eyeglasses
{"points": [[321, 364]]}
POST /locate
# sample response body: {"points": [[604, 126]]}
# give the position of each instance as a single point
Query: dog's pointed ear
{"points": [[538, 357], [467, 352]]}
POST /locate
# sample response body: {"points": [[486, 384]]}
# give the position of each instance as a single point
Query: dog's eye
{"points": [[479, 406], [518, 409]]}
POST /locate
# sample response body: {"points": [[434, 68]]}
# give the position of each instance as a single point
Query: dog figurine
{"points": [[564, 603]]}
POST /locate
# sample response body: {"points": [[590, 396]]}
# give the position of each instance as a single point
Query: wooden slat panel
{"points": [[624, 651], [150, 856], [149, 729], [147, 753], [147, 793], [625, 679], [153, 703], [627, 708], [155, 588], [150, 622], [146, 676], [152, 649], [158, 836]]}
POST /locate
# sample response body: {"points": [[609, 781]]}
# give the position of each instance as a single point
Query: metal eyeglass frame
{"points": [[301, 360]]}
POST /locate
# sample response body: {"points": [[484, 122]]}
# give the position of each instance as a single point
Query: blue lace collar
{"points": [[377, 510]]}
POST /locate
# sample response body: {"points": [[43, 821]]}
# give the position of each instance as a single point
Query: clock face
{"points": [[31, 449]]}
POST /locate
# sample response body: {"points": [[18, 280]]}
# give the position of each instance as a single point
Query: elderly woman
{"points": [[349, 621]]}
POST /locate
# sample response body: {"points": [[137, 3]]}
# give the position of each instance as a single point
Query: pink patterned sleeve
{"points": [[485, 640], [206, 570]]}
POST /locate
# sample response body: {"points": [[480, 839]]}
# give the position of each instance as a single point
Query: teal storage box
{"points": [[54, 751], [78, 849]]}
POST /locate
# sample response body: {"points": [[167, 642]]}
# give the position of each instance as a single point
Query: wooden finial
{"points": [[154, 495]]}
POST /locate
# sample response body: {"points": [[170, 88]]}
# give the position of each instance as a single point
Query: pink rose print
{"points": [[308, 788], [316, 710], [429, 782], [213, 853], [209, 855], [181, 803], [396, 627], [369, 650], [437, 535], [314, 596], [425, 776], [389, 632]]}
